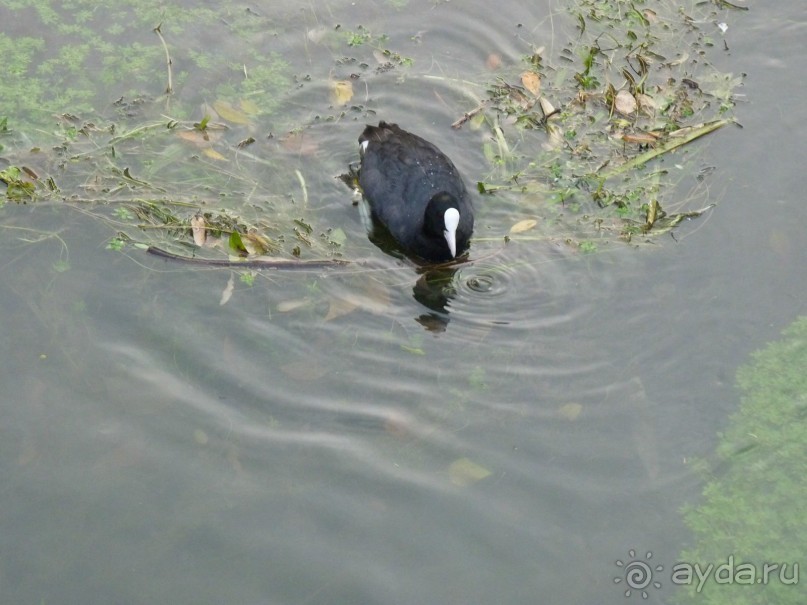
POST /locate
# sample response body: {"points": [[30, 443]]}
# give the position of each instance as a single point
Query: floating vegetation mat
{"points": [[592, 145], [597, 139], [166, 184]]}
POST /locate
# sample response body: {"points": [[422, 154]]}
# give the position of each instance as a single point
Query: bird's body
{"points": [[416, 192]]}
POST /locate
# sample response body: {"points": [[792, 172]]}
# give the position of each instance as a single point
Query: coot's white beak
{"points": [[452, 219]]}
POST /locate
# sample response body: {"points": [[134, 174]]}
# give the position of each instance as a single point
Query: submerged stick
{"points": [[470, 114], [725, 3], [254, 263], [674, 141], [168, 61]]}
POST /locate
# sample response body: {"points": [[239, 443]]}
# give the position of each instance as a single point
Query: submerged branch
{"points": [[675, 141], [254, 263], [170, 89]]}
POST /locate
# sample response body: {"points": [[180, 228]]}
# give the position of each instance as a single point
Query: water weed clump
{"points": [[596, 140], [589, 145], [754, 502]]}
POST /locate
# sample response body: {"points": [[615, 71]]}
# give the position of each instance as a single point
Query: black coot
{"points": [[416, 192]]}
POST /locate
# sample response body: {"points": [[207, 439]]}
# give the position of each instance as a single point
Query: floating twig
{"points": [[675, 140], [254, 263], [170, 89], [726, 4], [470, 114]]}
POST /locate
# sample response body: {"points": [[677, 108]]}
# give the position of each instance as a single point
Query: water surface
{"points": [[360, 436]]}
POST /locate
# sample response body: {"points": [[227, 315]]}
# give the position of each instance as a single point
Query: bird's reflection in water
{"points": [[434, 289], [436, 284]]}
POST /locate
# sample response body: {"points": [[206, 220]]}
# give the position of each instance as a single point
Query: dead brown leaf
{"points": [[200, 138], [199, 230], [372, 296], [339, 307], [640, 138], [624, 103], [522, 226], [646, 104], [532, 82]]}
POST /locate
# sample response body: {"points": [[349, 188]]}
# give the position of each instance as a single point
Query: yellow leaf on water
{"points": [[200, 437], [532, 82], [464, 472], [570, 411], [230, 113], [522, 226], [213, 154], [249, 107], [413, 350], [341, 91]]}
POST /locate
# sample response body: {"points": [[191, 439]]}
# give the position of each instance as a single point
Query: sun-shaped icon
{"points": [[638, 574]]}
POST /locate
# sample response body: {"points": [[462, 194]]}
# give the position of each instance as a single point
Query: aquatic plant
{"points": [[601, 133], [754, 506], [590, 146]]}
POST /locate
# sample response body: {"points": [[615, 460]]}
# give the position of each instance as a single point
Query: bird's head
{"points": [[442, 219]]}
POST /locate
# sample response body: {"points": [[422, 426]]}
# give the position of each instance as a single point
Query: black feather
{"points": [[409, 184]]}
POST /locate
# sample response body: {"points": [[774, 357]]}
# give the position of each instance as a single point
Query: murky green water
{"points": [[361, 436]]}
